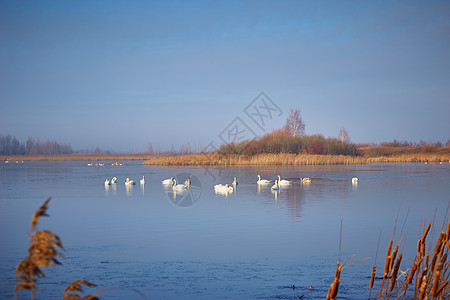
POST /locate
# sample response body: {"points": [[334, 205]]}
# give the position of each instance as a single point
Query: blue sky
{"points": [[120, 74]]}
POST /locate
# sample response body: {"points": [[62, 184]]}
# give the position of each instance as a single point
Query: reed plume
{"points": [[76, 286], [43, 252]]}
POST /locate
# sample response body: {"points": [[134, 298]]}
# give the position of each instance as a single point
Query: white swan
{"points": [[187, 183], [177, 187], [262, 181], [107, 182], [219, 188], [129, 182], [142, 180], [235, 181], [354, 180], [275, 187], [167, 181], [283, 182], [114, 180], [305, 180]]}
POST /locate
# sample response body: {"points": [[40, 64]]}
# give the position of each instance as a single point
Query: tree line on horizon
{"points": [[10, 145]]}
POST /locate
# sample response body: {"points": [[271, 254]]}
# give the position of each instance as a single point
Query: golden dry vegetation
{"points": [[282, 159], [285, 159]]}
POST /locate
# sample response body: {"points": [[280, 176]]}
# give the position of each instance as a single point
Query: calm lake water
{"points": [[250, 244]]}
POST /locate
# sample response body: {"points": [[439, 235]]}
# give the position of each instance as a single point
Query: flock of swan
{"points": [[177, 187], [220, 188], [279, 183], [128, 182]]}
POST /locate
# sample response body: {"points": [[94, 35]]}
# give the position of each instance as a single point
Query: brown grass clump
{"points": [[42, 253], [430, 272]]}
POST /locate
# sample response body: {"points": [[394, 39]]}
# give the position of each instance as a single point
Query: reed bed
{"points": [[413, 157], [426, 278], [285, 159]]}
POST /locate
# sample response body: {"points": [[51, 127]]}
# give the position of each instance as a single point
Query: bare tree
{"points": [[343, 135], [294, 123]]}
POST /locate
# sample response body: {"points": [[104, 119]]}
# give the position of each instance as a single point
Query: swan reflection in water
{"points": [[129, 189], [143, 188], [276, 193]]}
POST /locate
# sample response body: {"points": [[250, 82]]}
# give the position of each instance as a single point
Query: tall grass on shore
{"points": [[426, 278], [411, 157], [283, 159], [431, 276], [42, 253]]}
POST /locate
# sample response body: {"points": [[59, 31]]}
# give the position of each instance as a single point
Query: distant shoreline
{"points": [[80, 157], [214, 159]]}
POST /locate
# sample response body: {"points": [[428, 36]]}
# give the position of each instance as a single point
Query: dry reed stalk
{"points": [[422, 277], [436, 279], [426, 232], [42, 253], [374, 268], [423, 288], [387, 261], [334, 287], [441, 288], [437, 251], [393, 256], [395, 272]]}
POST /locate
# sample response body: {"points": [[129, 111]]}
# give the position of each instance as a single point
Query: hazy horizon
{"points": [[121, 75]]}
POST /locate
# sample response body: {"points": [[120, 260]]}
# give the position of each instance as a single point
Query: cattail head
{"points": [[393, 256], [437, 250], [372, 277], [423, 288], [426, 232], [387, 262], [411, 273], [436, 279], [395, 271]]}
